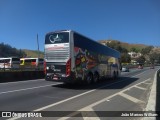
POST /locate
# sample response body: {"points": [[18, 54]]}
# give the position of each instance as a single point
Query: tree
{"points": [[141, 60], [154, 57], [133, 49], [8, 51], [147, 50], [125, 58], [117, 46]]}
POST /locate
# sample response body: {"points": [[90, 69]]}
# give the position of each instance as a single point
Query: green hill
{"points": [[124, 44], [9, 51], [33, 53]]}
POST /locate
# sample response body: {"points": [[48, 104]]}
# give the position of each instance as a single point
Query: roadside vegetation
{"points": [[8, 51], [149, 54]]}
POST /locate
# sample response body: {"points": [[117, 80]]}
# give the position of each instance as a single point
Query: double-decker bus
{"points": [[72, 57]]}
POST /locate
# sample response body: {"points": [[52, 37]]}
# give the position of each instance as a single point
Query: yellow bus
{"points": [[32, 63]]}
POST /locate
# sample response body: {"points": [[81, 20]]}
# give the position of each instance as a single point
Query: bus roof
{"points": [[31, 58], [8, 58], [92, 44]]}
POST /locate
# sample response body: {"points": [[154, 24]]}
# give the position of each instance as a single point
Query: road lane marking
{"points": [[147, 83], [76, 96], [100, 101], [84, 114], [14, 82], [151, 105], [26, 89], [109, 97], [61, 83], [79, 95], [133, 99], [65, 100], [140, 88]]}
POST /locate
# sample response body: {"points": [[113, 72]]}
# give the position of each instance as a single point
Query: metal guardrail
{"points": [[20, 69], [6, 76]]}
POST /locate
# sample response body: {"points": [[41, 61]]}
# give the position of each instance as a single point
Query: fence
{"points": [[17, 75]]}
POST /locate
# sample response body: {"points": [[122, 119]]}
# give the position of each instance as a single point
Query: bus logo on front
{"points": [[53, 39]]}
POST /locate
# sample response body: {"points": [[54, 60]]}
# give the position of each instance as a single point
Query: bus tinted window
{"points": [[54, 38], [15, 59], [27, 61], [41, 60], [33, 60], [5, 61]]}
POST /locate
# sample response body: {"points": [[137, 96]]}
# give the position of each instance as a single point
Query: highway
{"points": [[130, 92]]}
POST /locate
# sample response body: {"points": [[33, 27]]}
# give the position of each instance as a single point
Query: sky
{"points": [[131, 21]]}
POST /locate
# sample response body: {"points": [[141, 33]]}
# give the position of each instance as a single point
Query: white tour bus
{"points": [[71, 57], [11, 62], [32, 63]]}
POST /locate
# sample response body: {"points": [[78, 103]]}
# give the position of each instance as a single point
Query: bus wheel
{"points": [[114, 75], [89, 78], [95, 78]]}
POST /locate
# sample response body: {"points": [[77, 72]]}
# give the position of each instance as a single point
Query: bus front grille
{"points": [[57, 55]]}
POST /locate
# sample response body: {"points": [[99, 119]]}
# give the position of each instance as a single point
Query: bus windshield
{"points": [[5, 61], [54, 38]]}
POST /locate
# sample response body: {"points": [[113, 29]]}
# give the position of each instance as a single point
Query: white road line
{"points": [[57, 103], [91, 118], [139, 74], [105, 99], [76, 96], [147, 83], [140, 88], [56, 84], [100, 101], [14, 82], [65, 100], [151, 105], [133, 99], [26, 89], [84, 114]]}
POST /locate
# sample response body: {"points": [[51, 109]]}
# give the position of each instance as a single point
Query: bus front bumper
{"points": [[58, 77]]}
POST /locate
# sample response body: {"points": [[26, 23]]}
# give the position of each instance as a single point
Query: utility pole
{"points": [[38, 45]]}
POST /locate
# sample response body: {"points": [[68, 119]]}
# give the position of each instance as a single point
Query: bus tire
{"points": [[117, 73], [96, 77], [114, 75], [89, 78]]}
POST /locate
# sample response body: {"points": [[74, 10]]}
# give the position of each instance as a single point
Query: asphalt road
{"points": [[130, 92]]}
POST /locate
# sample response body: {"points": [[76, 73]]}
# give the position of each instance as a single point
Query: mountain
{"points": [[124, 44], [9, 51], [33, 53]]}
